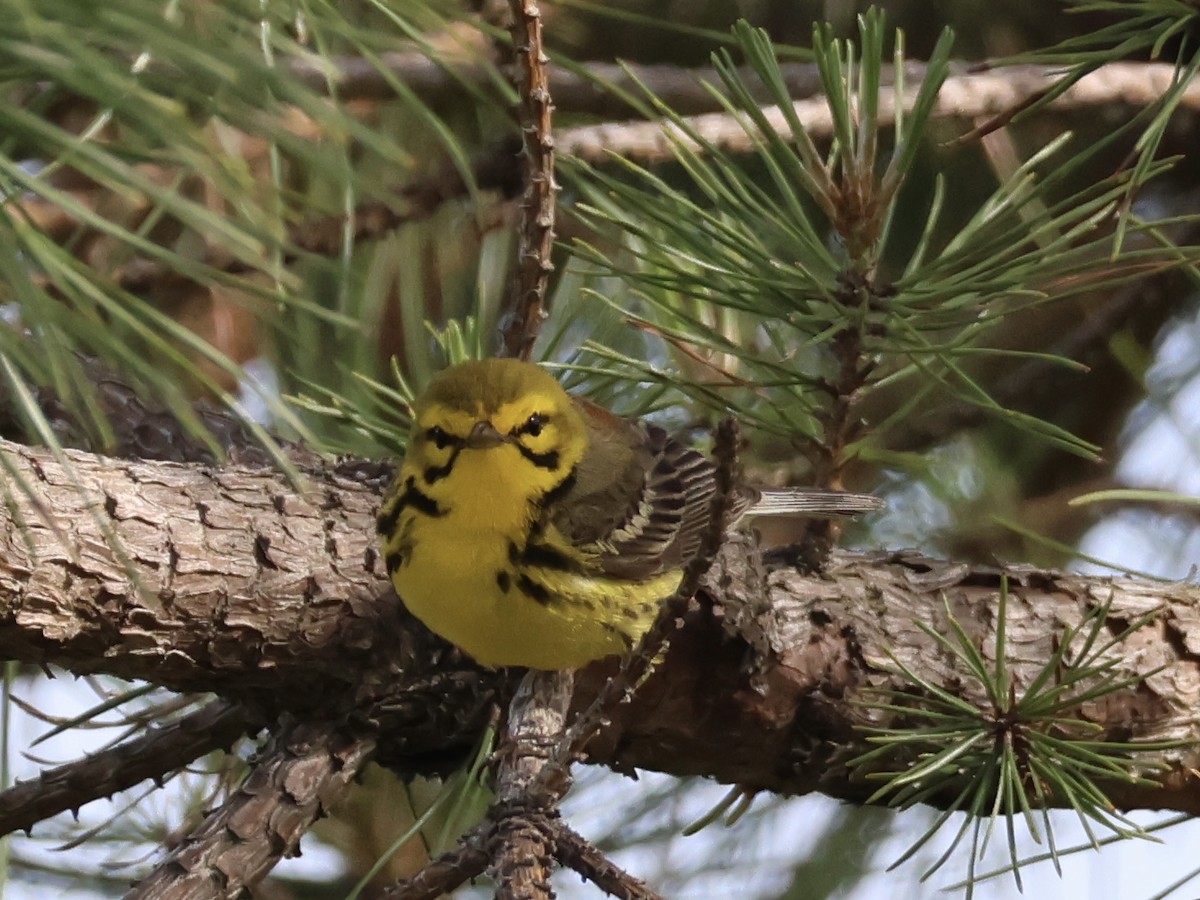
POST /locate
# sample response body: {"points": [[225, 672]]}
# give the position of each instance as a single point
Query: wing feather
{"points": [[640, 499]]}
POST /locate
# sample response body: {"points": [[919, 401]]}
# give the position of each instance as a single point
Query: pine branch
{"points": [[302, 772], [493, 168], [521, 845], [575, 90], [1036, 386], [145, 429], [577, 853], [449, 871], [966, 96], [152, 755], [329, 640]]}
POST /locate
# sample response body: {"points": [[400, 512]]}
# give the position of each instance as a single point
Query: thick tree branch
{"points": [[227, 580], [758, 687]]}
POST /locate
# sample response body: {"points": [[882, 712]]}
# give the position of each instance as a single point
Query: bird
{"points": [[530, 527]]}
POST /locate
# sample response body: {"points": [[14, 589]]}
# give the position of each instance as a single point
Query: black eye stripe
{"points": [[533, 425], [442, 439]]}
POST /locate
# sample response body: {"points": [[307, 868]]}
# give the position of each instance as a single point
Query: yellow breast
{"points": [[461, 574], [466, 590]]}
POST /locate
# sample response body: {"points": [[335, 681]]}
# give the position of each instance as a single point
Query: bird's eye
{"points": [[440, 438], [533, 425]]}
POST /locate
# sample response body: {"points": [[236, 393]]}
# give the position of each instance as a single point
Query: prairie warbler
{"points": [[533, 528]]}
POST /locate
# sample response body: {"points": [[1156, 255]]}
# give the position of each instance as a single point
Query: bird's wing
{"points": [[639, 501]]}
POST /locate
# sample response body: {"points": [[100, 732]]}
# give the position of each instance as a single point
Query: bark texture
{"points": [[303, 771], [233, 582]]}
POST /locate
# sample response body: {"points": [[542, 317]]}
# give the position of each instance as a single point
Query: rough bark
{"points": [[302, 772], [231, 581]]}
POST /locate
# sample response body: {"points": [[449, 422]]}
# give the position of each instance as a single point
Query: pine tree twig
{"points": [[576, 852], [521, 848], [1142, 306], [583, 89], [301, 773], [967, 95], [515, 841], [522, 852], [152, 755], [839, 419], [450, 870], [526, 308]]}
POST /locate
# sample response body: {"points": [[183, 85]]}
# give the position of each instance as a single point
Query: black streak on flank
{"points": [[437, 473], [546, 557], [503, 581], [533, 590], [547, 460], [393, 561]]}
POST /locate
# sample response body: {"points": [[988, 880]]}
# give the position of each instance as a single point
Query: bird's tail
{"points": [[810, 501]]}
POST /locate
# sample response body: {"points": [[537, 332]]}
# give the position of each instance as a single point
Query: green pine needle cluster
{"points": [[1015, 753]]}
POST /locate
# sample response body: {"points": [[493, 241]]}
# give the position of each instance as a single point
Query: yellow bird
{"points": [[532, 528]]}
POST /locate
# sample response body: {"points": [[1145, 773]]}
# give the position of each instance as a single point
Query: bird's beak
{"points": [[484, 436]]}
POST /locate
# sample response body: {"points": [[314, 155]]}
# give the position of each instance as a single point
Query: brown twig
{"points": [[449, 871], [966, 95], [521, 846], [576, 852], [839, 420], [213, 727], [526, 308], [494, 168]]}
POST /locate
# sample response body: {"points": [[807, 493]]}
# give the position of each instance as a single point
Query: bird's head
{"points": [[499, 417]]}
